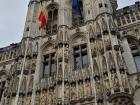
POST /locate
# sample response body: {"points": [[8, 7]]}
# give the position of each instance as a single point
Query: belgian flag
{"points": [[42, 17]]}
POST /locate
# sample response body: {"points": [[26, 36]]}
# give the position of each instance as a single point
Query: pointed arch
{"points": [[48, 46], [78, 38], [15, 85], [35, 48], [29, 50], [111, 61]]}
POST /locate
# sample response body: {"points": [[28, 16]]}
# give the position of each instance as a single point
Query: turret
{"points": [[31, 25]]}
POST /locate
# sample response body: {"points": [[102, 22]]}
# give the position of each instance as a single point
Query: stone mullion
{"points": [[57, 73]]}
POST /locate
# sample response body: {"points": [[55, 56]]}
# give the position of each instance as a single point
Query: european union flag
{"points": [[76, 8]]}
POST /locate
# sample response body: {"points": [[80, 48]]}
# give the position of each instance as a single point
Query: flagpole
{"points": [[21, 75], [23, 64]]}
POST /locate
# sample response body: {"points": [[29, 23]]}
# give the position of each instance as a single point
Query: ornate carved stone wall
{"points": [[94, 62]]}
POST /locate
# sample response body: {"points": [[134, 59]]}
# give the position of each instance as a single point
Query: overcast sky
{"points": [[13, 15]]}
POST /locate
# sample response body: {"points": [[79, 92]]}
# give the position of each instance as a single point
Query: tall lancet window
{"points": [[80, 57], [135, 52], [49, 69], [52, 20], [77, 18]]}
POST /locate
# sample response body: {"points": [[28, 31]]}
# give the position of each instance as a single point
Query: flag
{"points": [[42, 18], [76, 7]]}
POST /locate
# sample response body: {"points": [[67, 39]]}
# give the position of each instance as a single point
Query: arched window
{"points": [[135, 52], [52, 19], [78, 20], [49, 69], [80, 56]]}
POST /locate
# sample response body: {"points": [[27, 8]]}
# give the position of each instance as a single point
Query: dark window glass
{"points": [[80, 56], [53, 68], [137, 62], [100, 5], [77, 62], [106, 5], [49, 65], [85, 59], [27, 29], [46, 70]]}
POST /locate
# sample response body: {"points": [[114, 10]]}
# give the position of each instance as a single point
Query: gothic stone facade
{"points": [[89, 60]]}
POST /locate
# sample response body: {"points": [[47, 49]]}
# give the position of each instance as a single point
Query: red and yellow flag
{"points": [[42, 18]]}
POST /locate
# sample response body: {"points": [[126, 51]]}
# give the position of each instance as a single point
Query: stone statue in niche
{"points": [[19, 65], [12, 69], [111, 62], [87, 88], [27, 64], [66, 92], [123, 78], [35, 49], [119, 61], [33, 67], [96, 69], [80, 90], [60, 72], [7, 88], [73, 92], [114, 78], [98, 87], [106, 82], [107, 41], [60, 53], [29, 50], [100, 45], [104, 64]]}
